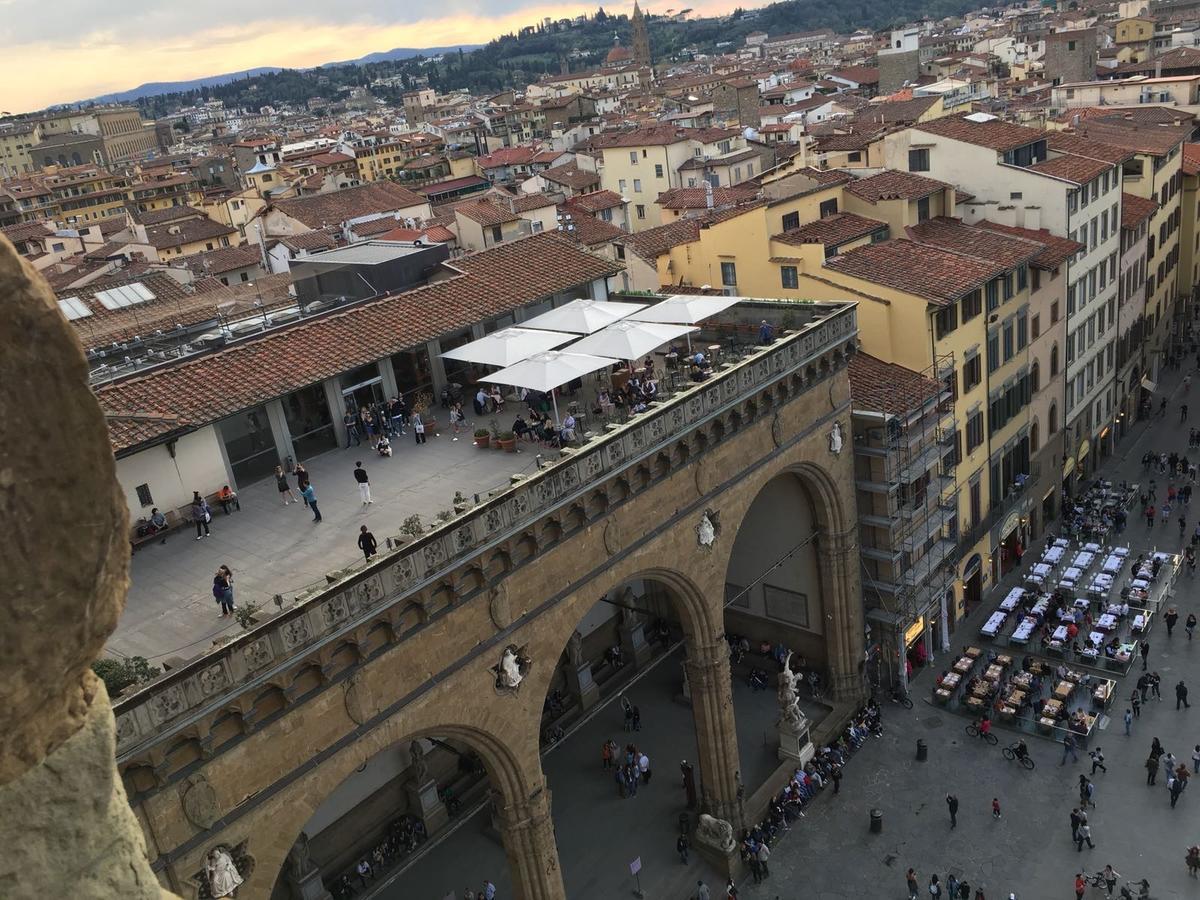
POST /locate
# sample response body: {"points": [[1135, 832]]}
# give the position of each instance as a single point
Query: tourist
{"points": [[310, 497], [228, 497], [201, 514], [223, 590], [281, 485], [366, 543], [364, 484]]}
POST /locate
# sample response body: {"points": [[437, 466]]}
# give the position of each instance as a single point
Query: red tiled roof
{"points": [[940, 276], [884, 387], [1056, 250], [894, 185], [831, 230], [1135, 210], [994, 133], [697, 197], [212, 387], [336, 207]]}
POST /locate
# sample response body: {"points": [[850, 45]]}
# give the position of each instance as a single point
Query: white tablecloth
{"points": [[994, 624]]}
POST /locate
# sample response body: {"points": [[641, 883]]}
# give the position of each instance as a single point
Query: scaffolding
{"points": [[905, 456]]}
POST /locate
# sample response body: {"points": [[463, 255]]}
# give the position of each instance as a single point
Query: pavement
{"points": [[274, 549]]}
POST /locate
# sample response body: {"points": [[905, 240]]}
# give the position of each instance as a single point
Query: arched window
{"points": [[1035, 377], [1034, 442], [1053, 424], [1054, 360]]}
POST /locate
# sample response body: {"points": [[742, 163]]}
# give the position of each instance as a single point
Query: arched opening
{"points": [[382, 823]]}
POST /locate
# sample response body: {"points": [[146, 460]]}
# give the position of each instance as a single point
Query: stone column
{"points": [[837, 555], [528, 835], [708, 678]]}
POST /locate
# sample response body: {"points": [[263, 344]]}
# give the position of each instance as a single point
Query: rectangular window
{"points": [[791, 221], [918, 160], [729, 274], [788, 277]]}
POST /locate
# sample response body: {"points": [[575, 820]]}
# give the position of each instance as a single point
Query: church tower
{"points": [[641, 42]]}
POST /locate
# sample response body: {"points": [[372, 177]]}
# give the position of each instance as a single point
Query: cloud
{"points": [[138, 43]]}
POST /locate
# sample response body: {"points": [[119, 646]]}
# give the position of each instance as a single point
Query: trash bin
{"points": [[876, 821], [922, 750]]}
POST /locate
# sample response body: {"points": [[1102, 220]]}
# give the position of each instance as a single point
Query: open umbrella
{"points": [[583, 316], [508, 346], [629, 340], [685, 309], [549, 370]]}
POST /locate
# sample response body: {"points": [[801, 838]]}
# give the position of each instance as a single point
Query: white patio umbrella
{"points": [[583, 316], [549, 370], [685, 309], [508, 346], [629, 339]]}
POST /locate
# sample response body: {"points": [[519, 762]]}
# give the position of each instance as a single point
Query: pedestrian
{"points": [[1085, 834], [681, 847], [201, 514], [366, 543], [301, 480], [1181, 695], [935, 888], [995, 807], [764, 855], [913, 887], [310, 497], [1097, 756], [952, 804], [223, 590], [1128, 720], [364, 484], [418, 427], [1171, 618], [1076, 821], [1069, 748], [281, 484], [1190, 625]]}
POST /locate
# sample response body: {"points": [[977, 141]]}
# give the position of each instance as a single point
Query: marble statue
{"points": [[223, 877]]}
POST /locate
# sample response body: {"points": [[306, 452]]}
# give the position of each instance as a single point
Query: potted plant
{"points": [[508, 441], [482, 437]]}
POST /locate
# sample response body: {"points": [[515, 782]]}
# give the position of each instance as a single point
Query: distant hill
{"points": [[158, 88]]}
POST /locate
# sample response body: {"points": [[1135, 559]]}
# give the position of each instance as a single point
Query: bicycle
{"points": [[973, 731], [1010, 753]]}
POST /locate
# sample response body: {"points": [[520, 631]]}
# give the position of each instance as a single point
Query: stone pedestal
{"points": [[633, 644], [795, 744], [310, 887], [579, 683], [424, 801]]}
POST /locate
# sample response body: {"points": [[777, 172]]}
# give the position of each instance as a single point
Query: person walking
{"points": [[1085, 834], [364, 484], [281, 484], [1069, 748], [201, 514], [310, 497], [1190, 625], [366, 543], [952, 805], [1097, 756], [995, 807], [1128, 720], [301, 480], [223, 591], [682, 847], [1181, 695], [910, 881]]}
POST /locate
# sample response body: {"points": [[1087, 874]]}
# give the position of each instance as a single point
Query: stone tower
{"points": [[641, 42]]}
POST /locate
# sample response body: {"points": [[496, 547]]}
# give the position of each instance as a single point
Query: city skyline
{"points": [[128, 50]]}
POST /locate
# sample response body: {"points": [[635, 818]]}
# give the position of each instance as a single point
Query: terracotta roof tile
{"points": [[211, 387], [940, 276], [894, 185], [831, 230]]}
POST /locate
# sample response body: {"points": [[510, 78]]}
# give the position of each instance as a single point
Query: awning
{"points": [[1148, 385]]}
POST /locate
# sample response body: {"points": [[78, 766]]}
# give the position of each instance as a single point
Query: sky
{"points": [[72, 50]]}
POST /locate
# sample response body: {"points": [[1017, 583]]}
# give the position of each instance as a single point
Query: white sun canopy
{"points": [[628, 339], [583, 316], [685, 309], [508, 346]]}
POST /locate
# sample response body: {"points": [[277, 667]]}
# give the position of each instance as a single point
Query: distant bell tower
{"points": [[641, 42]]}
